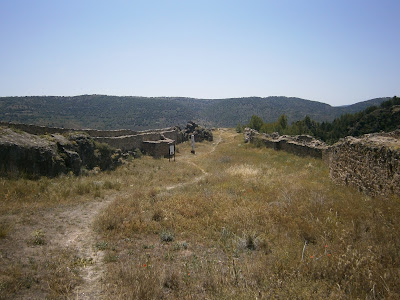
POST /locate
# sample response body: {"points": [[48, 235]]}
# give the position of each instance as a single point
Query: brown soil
{"points": [[63, 228], [69, 228]]}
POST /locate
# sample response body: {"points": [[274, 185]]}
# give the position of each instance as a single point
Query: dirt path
{"points": [[189, 161], [66, 228], [79, 235], [71, 227]]}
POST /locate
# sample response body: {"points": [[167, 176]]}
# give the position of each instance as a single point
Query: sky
{"points": [[337, 52]]}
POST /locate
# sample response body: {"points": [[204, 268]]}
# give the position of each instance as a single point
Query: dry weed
{"points": [[244, 171], [289, 232]]}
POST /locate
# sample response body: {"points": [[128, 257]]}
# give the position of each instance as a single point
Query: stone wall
{"points": [[132, 142], [39, 130], [302, 149], [302, 145], [370, 163], [175, 135], [157, 148], [123, 139], [128, 142]]}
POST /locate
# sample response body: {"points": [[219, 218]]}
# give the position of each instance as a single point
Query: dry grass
{"points": [[245, 171], [18, 195], [259, 224], [31, 262], [52, 275], [245, 226]]}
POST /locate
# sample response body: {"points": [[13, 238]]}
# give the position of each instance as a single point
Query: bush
{"points": [[256, 122], [166, 236]]}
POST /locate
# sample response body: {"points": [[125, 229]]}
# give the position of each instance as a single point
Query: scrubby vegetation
{"points": [[261, 224], [31, 261], [385, 117], [138, 113], [18, 195], [231, 222]]}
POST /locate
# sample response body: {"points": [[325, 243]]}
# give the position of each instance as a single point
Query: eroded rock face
{"points": [[22, 153]]}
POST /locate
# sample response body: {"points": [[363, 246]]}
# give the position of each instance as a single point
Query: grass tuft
{"points": [[5, 230], [261, 224], [166, 236], [38, 237]]}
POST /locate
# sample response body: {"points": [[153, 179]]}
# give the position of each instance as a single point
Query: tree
{"points": [[282, 122], [239, 128], [256, 122]]}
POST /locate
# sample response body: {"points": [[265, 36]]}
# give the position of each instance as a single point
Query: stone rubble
{"points": [[200, 133]]}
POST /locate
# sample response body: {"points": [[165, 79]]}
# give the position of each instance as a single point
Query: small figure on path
{"points": [[192, 138]]}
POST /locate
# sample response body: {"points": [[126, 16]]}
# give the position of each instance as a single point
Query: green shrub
{"points": [[166, 236]]}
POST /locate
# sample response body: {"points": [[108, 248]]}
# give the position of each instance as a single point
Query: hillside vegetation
{"points": [[385, 117], [231, 222], [138, 113]]}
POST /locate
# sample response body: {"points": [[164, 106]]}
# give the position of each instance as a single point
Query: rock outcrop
{"points": [[30, 155], [200, 133]]}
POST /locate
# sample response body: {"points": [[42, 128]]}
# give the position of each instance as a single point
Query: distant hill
{"points": [[375, 118], [351, 109], [385, 117], [139, 113]]}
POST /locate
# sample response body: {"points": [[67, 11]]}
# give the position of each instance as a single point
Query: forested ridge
{"points": [[384, 117], [138, 113]]}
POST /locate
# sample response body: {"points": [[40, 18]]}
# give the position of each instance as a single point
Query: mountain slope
{"points": [[112, 112], [351, 109], [228, 112]]}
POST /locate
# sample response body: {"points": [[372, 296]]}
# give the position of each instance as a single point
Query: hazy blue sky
{"points": [[337, 52]]}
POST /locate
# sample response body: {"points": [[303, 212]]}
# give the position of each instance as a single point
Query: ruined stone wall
{"points": [[370, 163], [301, 149], [300, 145], [123, 139], [129, 142], [157, 148], [39, 130], [173, 135]]}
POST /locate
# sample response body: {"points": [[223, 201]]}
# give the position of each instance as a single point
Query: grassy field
{"points": [[231, 222]]}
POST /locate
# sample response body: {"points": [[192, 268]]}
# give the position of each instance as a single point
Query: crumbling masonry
{"points": [[370, 163]]}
